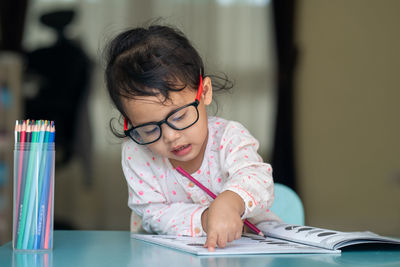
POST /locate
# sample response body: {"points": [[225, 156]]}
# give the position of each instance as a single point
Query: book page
{"points": [[247, 244], [319, 237]]}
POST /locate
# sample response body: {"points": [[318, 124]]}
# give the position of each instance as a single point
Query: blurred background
{"points": [[315, 82]]}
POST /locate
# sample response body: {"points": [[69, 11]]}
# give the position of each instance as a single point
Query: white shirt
{"points": [[169, 203]]}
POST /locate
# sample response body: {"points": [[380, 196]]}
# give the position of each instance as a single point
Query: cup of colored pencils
{"points": [[34, 160]]}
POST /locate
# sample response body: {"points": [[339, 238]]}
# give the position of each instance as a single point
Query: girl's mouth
{"points": [[182, 150]]}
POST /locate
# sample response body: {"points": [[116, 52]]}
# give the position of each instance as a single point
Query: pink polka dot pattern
{"points": [[170, 204]]}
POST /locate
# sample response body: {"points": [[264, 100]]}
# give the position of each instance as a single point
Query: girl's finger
{"points": [[230, 237], [211, 241], [238, 235], [221, 241]]}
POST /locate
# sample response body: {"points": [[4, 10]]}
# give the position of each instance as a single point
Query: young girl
{"points": [[157, 81]]}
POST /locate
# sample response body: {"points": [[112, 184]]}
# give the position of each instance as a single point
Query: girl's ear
{"points": [[207, 91]]}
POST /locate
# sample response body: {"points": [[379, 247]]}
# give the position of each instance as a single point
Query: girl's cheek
{"points": [[156, 149]]}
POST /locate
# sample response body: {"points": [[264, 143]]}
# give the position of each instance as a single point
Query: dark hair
{"points": [[152, 61]]}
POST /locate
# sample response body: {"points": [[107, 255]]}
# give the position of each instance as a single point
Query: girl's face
{"points": [[182, 147]]}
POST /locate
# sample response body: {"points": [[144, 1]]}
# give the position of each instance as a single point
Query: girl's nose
{"points": [[169, 135]]}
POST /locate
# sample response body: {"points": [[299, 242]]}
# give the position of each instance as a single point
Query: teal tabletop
{"points": [[116, 248]]}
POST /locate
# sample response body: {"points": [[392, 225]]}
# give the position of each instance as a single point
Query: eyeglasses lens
{"points": [[179, 120]]}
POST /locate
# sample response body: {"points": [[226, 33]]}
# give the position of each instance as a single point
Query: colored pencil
{"points": [[20, 156], [211, 194], [32, 180], [21, 189], [48, 237], [44, 203], [42, 185], [23, 236]]}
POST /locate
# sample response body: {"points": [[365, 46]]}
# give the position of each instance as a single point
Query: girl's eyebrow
{"points": [[146, 99], [171, 108], [161, 100]]}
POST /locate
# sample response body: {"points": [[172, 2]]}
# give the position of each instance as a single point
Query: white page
{"points": [[247, 244], [324, 238]]}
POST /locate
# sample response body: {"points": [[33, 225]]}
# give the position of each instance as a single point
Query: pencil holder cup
{"points": [[33, 196]]}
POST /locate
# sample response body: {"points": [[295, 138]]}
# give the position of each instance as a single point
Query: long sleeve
{"points": [[168, 203], [247, 174], [149, 196]]}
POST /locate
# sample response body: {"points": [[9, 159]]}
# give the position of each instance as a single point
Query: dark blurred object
{"points": [[63, 71], [12, 20], [58, 20], [283, 158]]}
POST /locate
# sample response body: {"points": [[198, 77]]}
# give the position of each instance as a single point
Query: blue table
{"points": [[116, 248]]}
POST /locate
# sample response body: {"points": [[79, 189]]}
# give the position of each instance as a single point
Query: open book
{"points": [[281, 238]]}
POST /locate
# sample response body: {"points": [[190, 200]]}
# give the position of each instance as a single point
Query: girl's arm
{"points": [[146, 197], [247, 190], [169, 219], [247, 174]]}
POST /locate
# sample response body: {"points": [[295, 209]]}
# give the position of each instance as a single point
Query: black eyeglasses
{"points": [[178, 119]]}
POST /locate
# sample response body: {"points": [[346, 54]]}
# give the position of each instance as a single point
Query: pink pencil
{"points": [[47, 230], [211, 194]]}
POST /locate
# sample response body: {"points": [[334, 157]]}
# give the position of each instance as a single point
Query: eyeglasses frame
{"points": [[195, 103]]}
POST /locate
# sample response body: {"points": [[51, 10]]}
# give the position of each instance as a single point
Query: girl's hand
{"points": [[222, 220]]}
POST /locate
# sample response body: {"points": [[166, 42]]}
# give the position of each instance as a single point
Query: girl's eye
{"points": [[152, 131], [179, 117]]}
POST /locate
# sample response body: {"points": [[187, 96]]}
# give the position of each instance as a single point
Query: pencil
{"points": [[18, 156], [40, 163], [21, 128], [45, 190], [42, 183], [23, 176], [46, 234], [29, 233], [49, 196], [23, 236], [211, 194]]}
